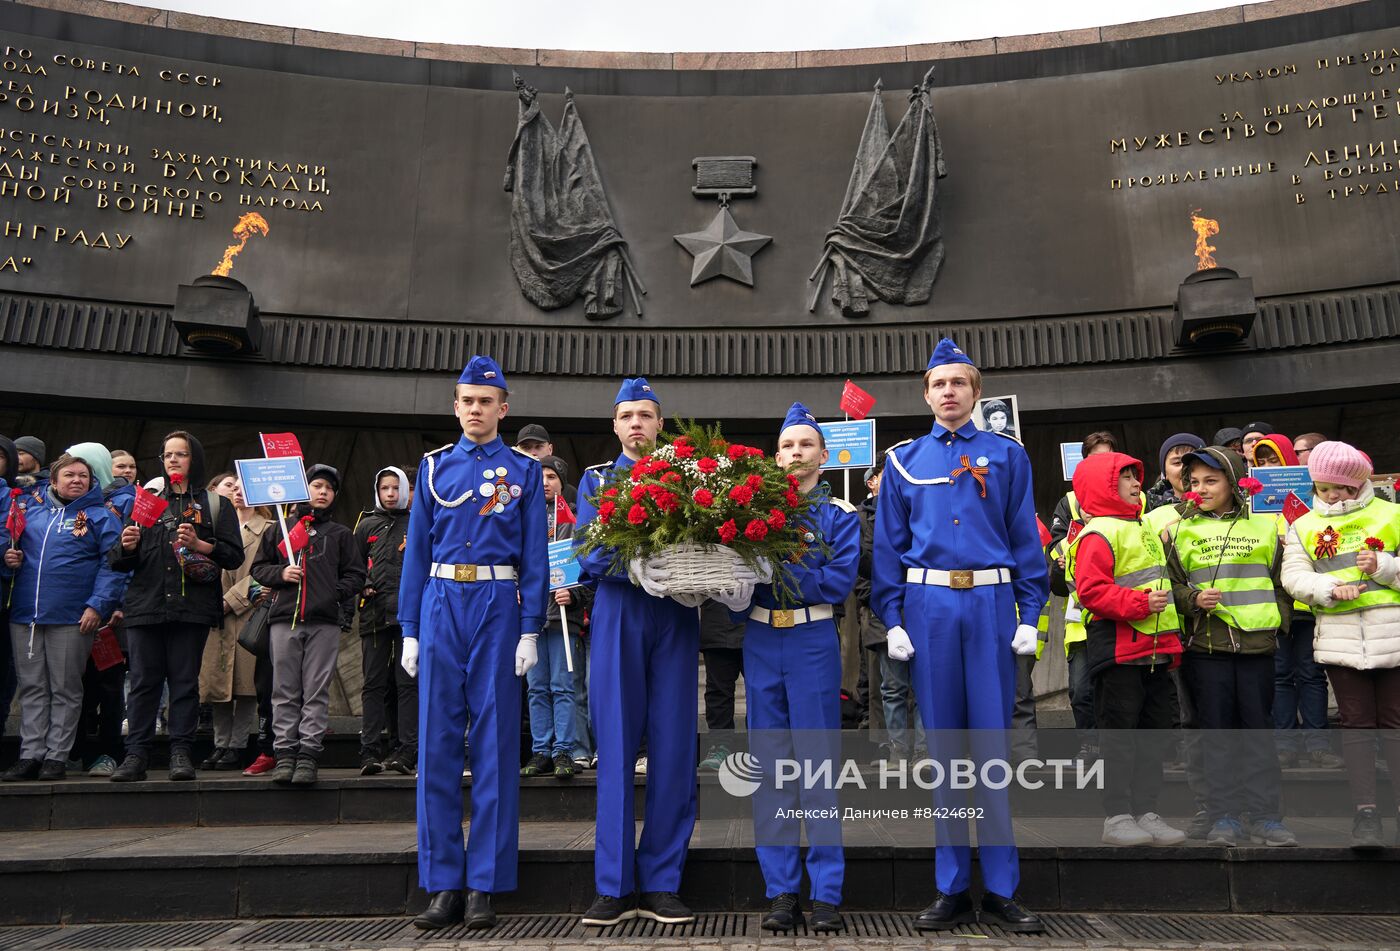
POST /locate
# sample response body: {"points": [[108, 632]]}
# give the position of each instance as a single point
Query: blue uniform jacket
{"points": [[517, 534], [63, 573], [596, 565], [823, 578], [933, 516]]}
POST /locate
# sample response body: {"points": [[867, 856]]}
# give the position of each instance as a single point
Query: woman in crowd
{"points": [[226, 676], [63, 591]]}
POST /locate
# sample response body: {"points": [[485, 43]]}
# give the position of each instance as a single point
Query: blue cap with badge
{"points": [[635, 389], [947, 352], [799, 415], [483, 371]]}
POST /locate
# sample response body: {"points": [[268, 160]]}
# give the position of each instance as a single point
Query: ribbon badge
{"points": [[1327, 543], [499, 494], [978, 472], [80, 524]]}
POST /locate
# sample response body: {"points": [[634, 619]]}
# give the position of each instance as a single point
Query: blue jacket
{"points": [[63, 573], [822, 578]]}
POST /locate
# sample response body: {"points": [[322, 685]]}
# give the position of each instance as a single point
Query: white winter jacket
{"points": [[1368, 639]]}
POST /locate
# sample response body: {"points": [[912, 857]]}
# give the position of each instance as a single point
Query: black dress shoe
{"points": [[946, 912], [1009, 915], [132, 770], [213, 759], [826, 917], [181, 768], [665, 907], [444, 908], [480, 914], [784, 914], [53, 770]]}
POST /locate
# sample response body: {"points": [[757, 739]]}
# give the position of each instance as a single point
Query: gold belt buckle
{"points": [[960, 579], [464, 572], [781, 619]]}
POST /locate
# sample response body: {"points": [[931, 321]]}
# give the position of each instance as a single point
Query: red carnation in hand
{"points": [[754, 482], [792, 499], [672, 477], [636, 515], [776, 519], [306, 520], [177, 478], [606, 510], [667, 501], [1193, 497], [737, 452], [728, 531], [1375, 544], [741, 494], [372, 539], [611, 493], [755, 452], [707, 465], [16, 493], [1251, 485], [639, 472], [682, 448], [639, 492], [792, 481], [704, 498], [757, 530]]}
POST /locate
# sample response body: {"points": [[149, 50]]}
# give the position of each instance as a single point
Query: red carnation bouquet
{"points": [[706, 504]]}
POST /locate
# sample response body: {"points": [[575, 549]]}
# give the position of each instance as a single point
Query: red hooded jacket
{"points": [[1110, 639]]}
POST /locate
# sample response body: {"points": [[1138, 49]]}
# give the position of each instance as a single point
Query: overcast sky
{"points": [[690, 25]]}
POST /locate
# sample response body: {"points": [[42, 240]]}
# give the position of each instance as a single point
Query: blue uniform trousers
{"points": [[964, 677], [643, 681], [466, 669], [793, 683]]}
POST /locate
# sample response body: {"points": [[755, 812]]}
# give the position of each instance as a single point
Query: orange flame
{"points": [[250, 224], [1205, 228]]}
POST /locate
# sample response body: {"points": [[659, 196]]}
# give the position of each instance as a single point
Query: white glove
{"points": [[898, 645], [649, 575], [526, 656], [736, 598], [1026, 640], [761, 573], [689, 600], [408, 657]]}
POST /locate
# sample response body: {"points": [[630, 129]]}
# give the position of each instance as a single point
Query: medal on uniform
{"points": [[80, 525], [498, 494]]}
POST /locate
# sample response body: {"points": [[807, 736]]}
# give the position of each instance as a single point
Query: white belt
{"points": [[958, 579], [780, 618], [473, 572]]}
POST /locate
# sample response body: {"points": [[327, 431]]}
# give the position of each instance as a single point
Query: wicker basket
{"points": [[698, 569]]}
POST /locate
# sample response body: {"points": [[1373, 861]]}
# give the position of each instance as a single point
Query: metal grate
{"points": [[724, 925], [324, 930], [23, 937], [184, 934], [1335, 928], [1214, 928], [859, 924], [509, 927], [1082, 927]]}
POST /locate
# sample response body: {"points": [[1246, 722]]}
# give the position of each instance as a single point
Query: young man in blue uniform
{"points": [[471, 603], [792, 669], [644, 664], [959, 578]]}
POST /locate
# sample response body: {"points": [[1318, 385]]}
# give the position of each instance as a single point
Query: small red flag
{"points": [[563, 515], [14, 522], [147, 508], [855, 402], [299, 539], [1075, 528], [279, 445], [106, 652], [1294, 508], [1044, 532]]}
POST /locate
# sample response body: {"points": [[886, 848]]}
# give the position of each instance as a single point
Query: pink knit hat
{"points": [[1339, 464]]}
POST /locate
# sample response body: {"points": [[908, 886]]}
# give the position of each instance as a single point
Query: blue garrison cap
{"points": [[947, 352], [483, 371], [799, 415], [635, 389]]}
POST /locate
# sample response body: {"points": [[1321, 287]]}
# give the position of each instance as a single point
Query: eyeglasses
{"points": [[175, 455]]}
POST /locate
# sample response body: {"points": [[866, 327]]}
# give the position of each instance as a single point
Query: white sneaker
{"points": [[641, 769], [1162, 834], [1124, 830]]}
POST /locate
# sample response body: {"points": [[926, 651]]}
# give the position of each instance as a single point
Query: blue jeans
{"points": [[551, 697], [583, 728], [1081, 696], [1300, 691], [897, 697]]}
